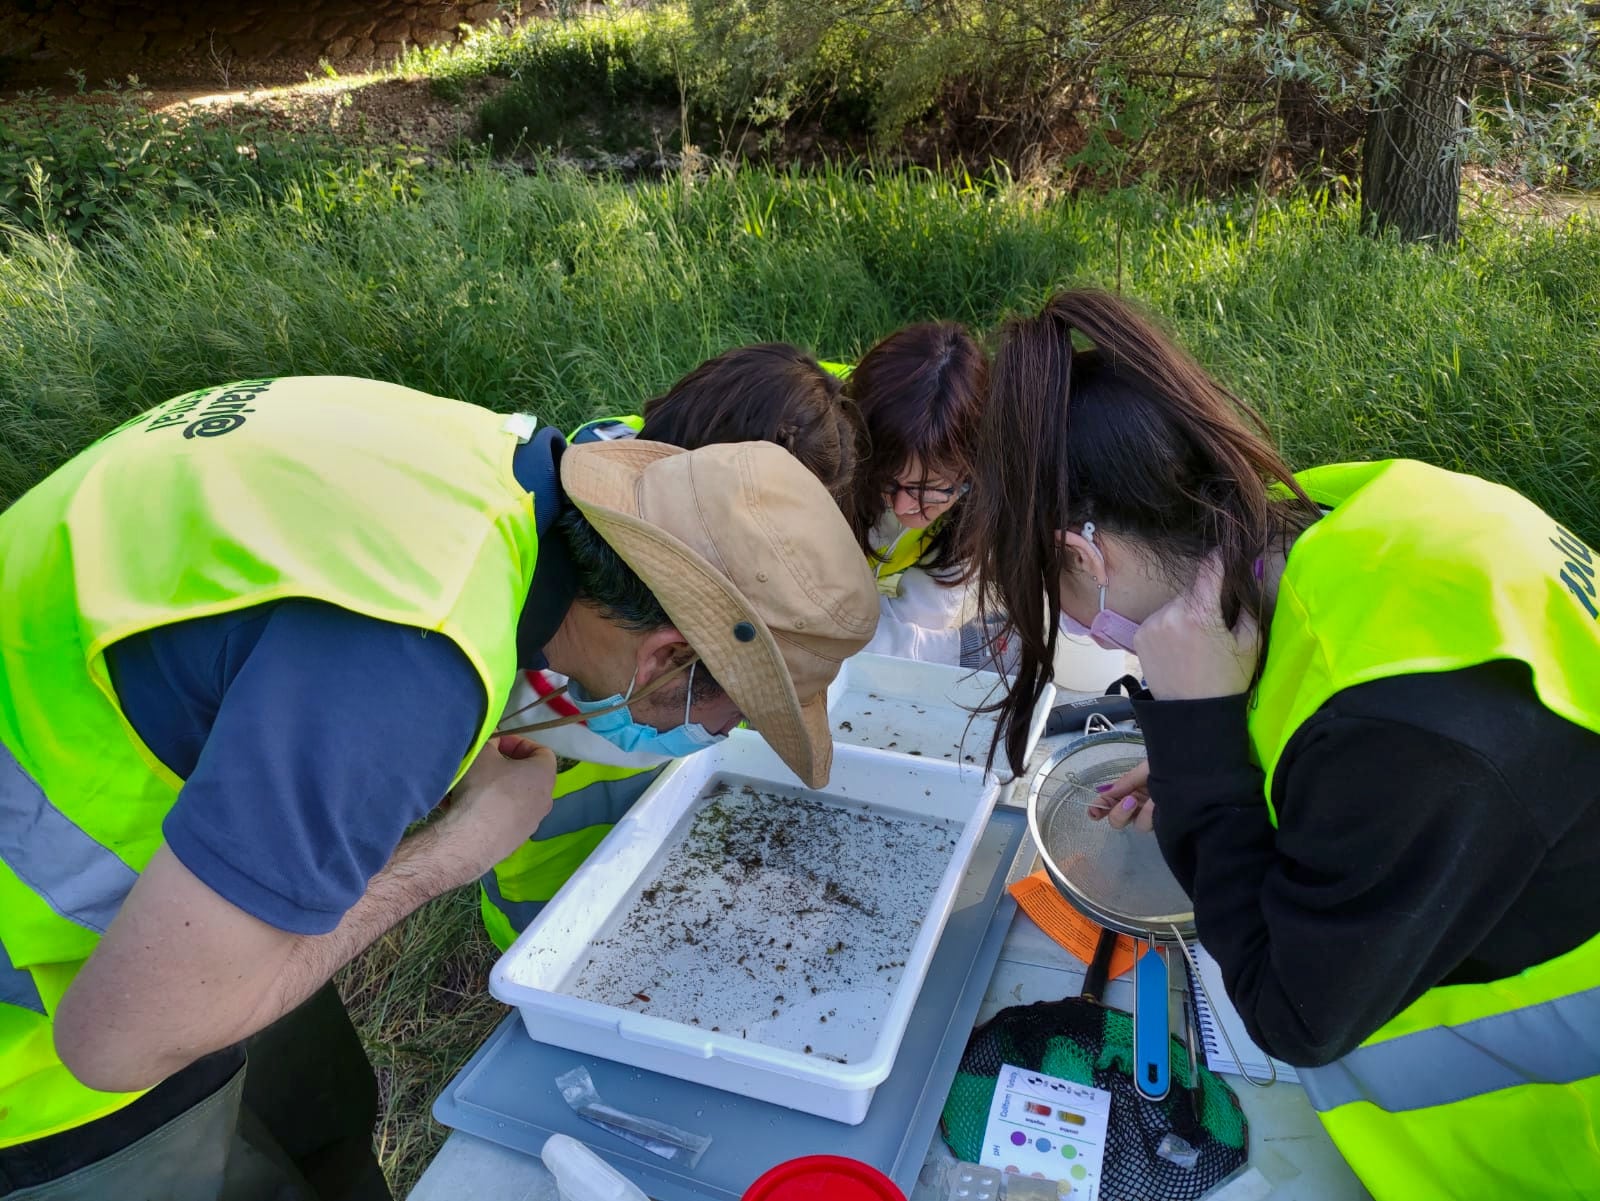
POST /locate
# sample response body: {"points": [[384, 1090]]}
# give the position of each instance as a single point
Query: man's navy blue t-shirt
{"points": [[309, 737]]}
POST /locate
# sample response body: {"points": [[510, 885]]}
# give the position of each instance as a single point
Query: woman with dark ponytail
{"points": [[1373, 723]]}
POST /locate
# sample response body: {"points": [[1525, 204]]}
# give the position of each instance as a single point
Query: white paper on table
{"points": [[1047, 1127], [1213, 1014]]}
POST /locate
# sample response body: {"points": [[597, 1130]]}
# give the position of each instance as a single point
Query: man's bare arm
{"points": [[183, 972]]}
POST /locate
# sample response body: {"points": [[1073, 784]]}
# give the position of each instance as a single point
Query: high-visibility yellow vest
{"points": [[904, 553], [1473, 1090], [590, 799], [382, 500]]}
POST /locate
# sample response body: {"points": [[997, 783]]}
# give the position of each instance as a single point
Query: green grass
{"points": [[70, 164], [573, 296], [419, 999], [163, 259], [618, 50]]}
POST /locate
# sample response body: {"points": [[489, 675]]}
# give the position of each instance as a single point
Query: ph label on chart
{"points": [[1049, 1128]]}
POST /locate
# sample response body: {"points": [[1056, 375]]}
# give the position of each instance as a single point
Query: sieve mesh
{"points": [[1117, 877]]}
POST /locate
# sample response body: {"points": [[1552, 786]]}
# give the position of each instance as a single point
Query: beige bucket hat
{"points": [[753, 562]]}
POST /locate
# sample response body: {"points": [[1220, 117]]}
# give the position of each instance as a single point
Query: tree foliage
{"points": [[1530, 88], [1432, 84], [1509, 83]]}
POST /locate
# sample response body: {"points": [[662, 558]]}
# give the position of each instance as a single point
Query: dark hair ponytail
{"points": [[1127, 431]]}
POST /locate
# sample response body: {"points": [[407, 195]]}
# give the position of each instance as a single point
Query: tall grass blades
{"points": [[574, 296]]}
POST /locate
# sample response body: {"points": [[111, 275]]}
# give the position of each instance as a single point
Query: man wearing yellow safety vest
{"points": [[771, 392], [1373, 727], [251, 637]]}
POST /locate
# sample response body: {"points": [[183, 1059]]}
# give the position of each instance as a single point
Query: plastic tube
{"points": [[581, 1175], [658, 1138]]}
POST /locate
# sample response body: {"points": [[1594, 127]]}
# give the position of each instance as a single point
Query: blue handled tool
{"points": [[1151, 1018]]}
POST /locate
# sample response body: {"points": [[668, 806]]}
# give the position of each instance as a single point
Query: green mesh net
{"points": [[1085, 1043]]}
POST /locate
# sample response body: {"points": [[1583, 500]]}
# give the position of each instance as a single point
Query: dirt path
{"points": [[376, 108], [367, 110]]}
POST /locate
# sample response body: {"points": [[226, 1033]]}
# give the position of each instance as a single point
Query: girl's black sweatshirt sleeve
{"points": [[1432, 829]]}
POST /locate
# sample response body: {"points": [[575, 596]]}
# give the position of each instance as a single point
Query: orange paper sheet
{"points": [[1050, 912]]}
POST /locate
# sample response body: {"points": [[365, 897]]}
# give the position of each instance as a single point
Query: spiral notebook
{"points": [[1212, 1020]]}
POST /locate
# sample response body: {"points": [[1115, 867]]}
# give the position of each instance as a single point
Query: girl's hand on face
{"points": [[1126, 800], [1186, 651]]}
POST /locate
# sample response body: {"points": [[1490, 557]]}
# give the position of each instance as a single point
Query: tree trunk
{"points": [[1411, 160]]}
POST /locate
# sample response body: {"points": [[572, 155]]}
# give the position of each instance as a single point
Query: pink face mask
{"points": [[1109, 628]]}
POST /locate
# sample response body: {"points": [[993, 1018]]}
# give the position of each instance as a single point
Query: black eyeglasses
{"points": [[923, 497]]}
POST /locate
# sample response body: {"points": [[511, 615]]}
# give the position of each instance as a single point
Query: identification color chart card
{"points": [[1047, 1127]]}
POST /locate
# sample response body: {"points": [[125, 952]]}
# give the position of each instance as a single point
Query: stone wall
{"points": [[233, 42]]}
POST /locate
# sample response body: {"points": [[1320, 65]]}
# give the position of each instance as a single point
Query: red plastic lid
{"points": [[823, 1178]]}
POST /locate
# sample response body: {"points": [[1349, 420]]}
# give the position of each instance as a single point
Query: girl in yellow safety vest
{"points": [[920, 392], [1373, 727]]}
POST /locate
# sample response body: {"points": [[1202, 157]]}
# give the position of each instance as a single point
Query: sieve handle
{"points": [[1151, 1022], [1094, 980]]}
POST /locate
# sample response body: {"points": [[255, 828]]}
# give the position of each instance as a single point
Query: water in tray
{"points": [[933, 727], [780, 916]]}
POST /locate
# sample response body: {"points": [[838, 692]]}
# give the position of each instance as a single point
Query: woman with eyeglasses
{"points": [[920, 392], [1373, 733]]}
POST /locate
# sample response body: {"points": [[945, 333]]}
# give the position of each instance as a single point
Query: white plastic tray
{"points": [[539, 972], [924, 710]]}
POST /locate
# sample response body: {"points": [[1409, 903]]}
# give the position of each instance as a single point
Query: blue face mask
{"points": [[619, 729]]}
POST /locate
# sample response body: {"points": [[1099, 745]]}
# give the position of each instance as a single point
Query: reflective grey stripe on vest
{"points": [[16, 985], [76, 876], [1555, 1042], [518, 913], [599, 804]]}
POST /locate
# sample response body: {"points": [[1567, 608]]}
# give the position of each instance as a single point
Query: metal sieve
{"points": [[1116, 877]]}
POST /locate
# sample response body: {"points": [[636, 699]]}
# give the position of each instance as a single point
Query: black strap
{"points": [[1127, 686]]}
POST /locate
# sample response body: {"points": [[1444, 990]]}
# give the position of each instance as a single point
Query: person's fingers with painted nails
{"points": [[1126, 800]]}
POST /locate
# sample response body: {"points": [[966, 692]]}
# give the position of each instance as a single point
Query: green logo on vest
{"points": [[205, 413], [1577, 573]]}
